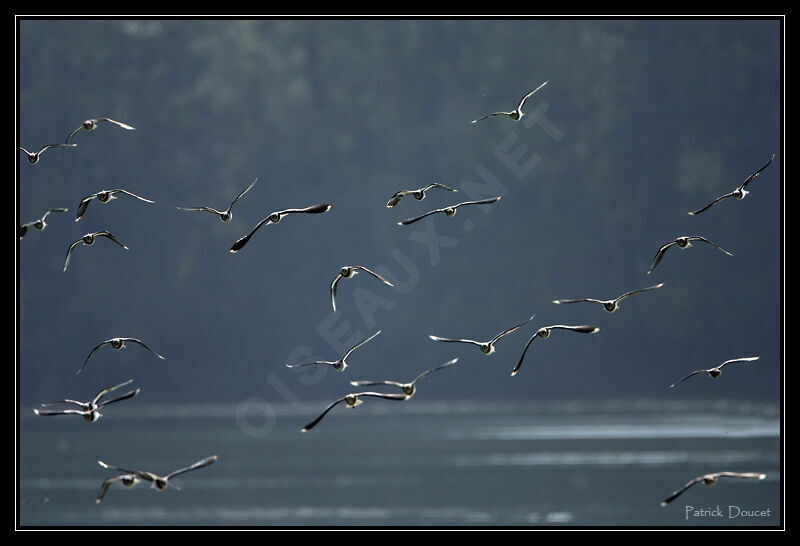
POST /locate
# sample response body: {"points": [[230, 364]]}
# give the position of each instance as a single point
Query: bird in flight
{"points": [[348, 272], [89, 410], [711, 479], [338, 365], [683, 243], [408, 388], [515, 114], [118, 343], [127, 480], [486, 347], [351, 401], [33, 157], [104, 196], [225, 215], [738, 193], [451, 210], [419, 194], [274, 218], [88, 240], [611, 305], [161, 482], [92, 124], [544, 333], [39, 223], [716, 371]]}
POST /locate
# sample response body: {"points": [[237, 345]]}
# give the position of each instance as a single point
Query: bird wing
{"points": [[108, 235], [373, 383], [57, 209], [714, 202], [82, 206], [506, 332], [751, 475], [583, 328], [521, 358], [688, 376], [48, 146], [129, 394], [60, 412], [408, 221], [439, 367], [393, 200], [357, 345], [72, 134], [118, 123], [107, 390], [699, 238], [437, 185], [752, 176], [126, 192], [204, 209], [451, 340], [330, 362], [677, 493], [91, 353], [333, 290], [149, 476], [69, 252], [106, 483], [659, 255], [237, 246], [521, 102], [490, 115], [591, 300], [313, 209], [199, 464], [247, 189], [134, 340], [480, 202], [373, 274], [744, 359], [632, 292], [313, 423]]}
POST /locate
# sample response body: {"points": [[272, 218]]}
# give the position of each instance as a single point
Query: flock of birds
{"points": [[90, 410]]}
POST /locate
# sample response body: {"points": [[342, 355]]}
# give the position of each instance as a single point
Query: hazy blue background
{"points": [[641, 122]]}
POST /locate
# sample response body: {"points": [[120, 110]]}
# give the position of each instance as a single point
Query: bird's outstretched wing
{"points": [[247, 189], [139, 342], [640, 290], [91, 353], [490, 115], [107, 390], [319, 418], [454, 340], [199, 464], [359, 344], [712, 203], [409, 221], [436, 368], [522, 102], [677, 493], [690, 375], [384, 281], [700, 238], [659, 255], [752, 176], [513, 328]]}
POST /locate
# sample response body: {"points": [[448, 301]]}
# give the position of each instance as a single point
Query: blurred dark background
{"points": [[641, 122]]}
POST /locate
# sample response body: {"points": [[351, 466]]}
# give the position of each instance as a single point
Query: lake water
{"points": [[396, 465]]}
